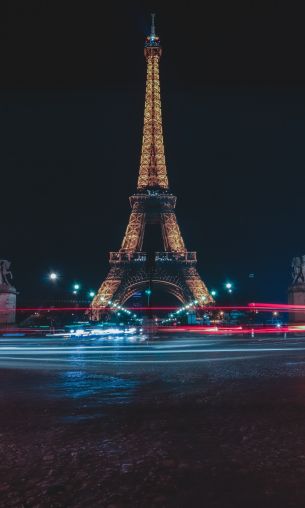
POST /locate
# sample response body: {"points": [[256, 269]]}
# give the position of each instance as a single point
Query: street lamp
{"points": [[148, 293], [228, 286], [213, 292], [76, 286], [53, 276], [91, 294]]}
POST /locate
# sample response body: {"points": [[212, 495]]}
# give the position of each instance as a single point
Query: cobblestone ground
{"points": [[191, 438]]}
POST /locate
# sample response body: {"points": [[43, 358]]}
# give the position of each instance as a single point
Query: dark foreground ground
{"points": [[191, 422]]}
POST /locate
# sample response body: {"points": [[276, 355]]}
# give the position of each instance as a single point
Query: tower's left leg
{"points": [[172, 238], [108, 288]]}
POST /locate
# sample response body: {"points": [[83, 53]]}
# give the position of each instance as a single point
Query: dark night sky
{"points": [[72, 99]]}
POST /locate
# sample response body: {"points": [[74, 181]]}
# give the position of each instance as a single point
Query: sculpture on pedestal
{"points": [[296, 292], [5, 272], [298, 270], [7, 294]]}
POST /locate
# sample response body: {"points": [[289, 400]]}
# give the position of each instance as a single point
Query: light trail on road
{"points": [[253, 306], [79, 354]]}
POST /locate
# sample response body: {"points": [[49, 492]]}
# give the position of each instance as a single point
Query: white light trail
{"points": [[89, 350]]}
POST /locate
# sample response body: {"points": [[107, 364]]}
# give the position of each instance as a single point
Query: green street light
{"points": [[148, 293]]}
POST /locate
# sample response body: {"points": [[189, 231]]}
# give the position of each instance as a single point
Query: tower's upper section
{"points": [[153, 173]]}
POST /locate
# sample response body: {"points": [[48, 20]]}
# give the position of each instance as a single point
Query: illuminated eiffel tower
{"points": [[132, 269]]}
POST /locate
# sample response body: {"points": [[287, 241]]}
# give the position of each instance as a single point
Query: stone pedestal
{"points": [[7, 304], [296, 296]]}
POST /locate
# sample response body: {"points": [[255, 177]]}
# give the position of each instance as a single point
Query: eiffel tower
{"points": [[132, 269]]}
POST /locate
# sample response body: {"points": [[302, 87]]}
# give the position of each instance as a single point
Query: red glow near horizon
{"points": [[236, 330], [263, 307]]}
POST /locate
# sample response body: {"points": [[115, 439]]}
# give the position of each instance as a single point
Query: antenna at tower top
{"points": [[153, 28], [152, 40]]}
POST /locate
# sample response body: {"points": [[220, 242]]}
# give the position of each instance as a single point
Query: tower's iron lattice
{"points": [[131, 269]]}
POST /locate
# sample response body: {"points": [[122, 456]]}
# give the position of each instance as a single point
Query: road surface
{"points": [[169, 420]]}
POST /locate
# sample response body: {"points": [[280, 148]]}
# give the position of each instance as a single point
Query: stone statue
{"points": [[298, 270], [296, 292], [5, 273], [7, 294]]}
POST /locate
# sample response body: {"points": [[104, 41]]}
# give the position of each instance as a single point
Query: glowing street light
{"points": [[53, 276], [76, 286], [228, 285], [148, 293], [92, 294], [213, 292]]}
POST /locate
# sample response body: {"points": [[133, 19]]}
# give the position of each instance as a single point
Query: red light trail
{"points": [[236, 330], [262, 307]]}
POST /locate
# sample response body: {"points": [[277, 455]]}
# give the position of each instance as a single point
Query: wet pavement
{"points": [[172, 420]]}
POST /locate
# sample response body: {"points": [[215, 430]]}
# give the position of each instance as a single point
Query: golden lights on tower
{"points": [[153, 171]]}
